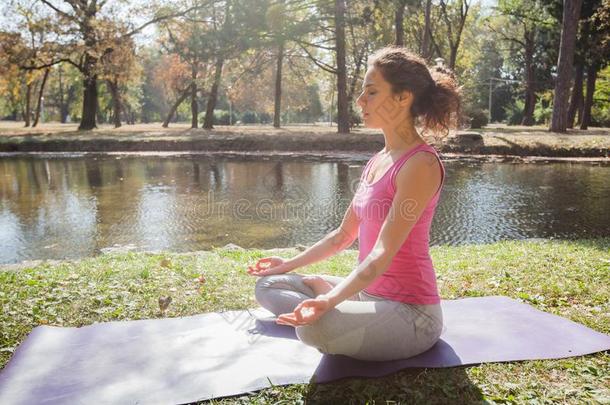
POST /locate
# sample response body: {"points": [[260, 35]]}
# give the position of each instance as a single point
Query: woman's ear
{"points": [[404, 98]]}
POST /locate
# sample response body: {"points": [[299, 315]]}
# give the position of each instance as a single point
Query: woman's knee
{"points": [[311, 335], [262, 284]]}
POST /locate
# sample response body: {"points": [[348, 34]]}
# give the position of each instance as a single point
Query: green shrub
{"points": [[544, 108], [221, 117], [514, 112], [265, 118], [249, 117], [478, 118]]}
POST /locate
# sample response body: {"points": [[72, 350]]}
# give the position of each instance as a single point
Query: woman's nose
{"points": [[360, 101]]}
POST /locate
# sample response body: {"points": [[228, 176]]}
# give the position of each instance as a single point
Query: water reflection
{"points": [[73, 207]]}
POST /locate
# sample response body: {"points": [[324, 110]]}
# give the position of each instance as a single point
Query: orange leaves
{"points": [[173, 73]]}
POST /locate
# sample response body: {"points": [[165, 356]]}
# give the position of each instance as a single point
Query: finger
{"points": [[298, 307], [287, 315], [260, 267], [280, 321], [298, 315], [287, 319]]}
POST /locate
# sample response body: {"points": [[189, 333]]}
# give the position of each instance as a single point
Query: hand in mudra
{"points": [[268, 266], [306, 313]]}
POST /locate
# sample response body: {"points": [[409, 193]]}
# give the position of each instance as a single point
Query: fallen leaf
{"points": [[164, 303]]}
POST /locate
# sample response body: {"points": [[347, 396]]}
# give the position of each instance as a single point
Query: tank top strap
{"points": [[401, 161]]}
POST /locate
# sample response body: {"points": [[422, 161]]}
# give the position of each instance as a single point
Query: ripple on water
{"points": [[57, 207]]}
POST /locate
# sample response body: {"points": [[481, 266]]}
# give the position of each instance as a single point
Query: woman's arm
{"points": [[331, 244], [416, 183]]}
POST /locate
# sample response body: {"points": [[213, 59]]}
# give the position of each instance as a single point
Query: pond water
{"points": [[55, 207]]}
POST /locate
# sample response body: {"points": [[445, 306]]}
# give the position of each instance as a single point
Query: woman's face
{"points": [[380, 107]]}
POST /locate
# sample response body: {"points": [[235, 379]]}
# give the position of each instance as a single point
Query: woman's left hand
{"points": [[306, 313]]}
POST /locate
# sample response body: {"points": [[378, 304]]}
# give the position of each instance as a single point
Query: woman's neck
{"points": [[401, 137]]}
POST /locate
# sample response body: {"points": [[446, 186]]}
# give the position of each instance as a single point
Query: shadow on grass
{"points": [[412, 385], [602, 244]]}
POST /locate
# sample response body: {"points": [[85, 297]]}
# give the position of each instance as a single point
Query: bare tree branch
{"points": [[162, 18], [58, 11], [321, 65]]}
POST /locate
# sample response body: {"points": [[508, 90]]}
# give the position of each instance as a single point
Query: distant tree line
{"points": [[276, 61]]}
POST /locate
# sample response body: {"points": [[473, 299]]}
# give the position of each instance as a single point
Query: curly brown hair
{"points": [[437, 97]]}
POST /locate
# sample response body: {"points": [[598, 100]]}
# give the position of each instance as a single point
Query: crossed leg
{"points": [[363, 327]]}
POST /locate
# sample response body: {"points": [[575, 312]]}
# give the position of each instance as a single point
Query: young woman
{"points": [[388, 307]]}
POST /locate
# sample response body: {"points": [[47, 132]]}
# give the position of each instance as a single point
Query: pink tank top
{"points": [[410, 278]]}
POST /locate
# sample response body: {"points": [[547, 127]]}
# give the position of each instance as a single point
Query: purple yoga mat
{"points": [[181, 360]]}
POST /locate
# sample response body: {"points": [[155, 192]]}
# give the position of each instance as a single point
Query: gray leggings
{"points": [[364, 327]]}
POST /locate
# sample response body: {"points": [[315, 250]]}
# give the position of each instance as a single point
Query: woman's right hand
{"points": [[268, 266]]}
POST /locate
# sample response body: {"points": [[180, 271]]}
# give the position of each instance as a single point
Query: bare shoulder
{"points": [[422, 165]]}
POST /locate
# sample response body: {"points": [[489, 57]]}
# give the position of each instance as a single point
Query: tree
{"points": [[174, 77], [236, 27], [424, 48], [285, 23], [118, 65], [399, 15], [329, 19], [454, 15], [520, 23], [27, 49], [10, 76], [79, 22], [187, 39], [580, 56], [342, 106], [598, 55], [571, 14], [154, 105]]}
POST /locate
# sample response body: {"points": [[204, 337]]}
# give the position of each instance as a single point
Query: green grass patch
{"points": [[567, 278]]}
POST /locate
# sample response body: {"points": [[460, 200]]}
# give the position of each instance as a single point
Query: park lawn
{"points": [[567, 278]]}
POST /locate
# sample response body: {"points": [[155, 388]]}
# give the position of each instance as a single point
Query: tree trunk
{"points": [[581, 47], [89, 95], [63, 105], [571, 14], [352, 86], [278, 86], [342, 108], [40, 95], [399, 15], [208, 122], [28, 100], [425, 45], [576, 99], [174, 107], [530, 91], [116, 102], [580, 110], [453, 56], [101, 115], [194, 105], [591, 78]]}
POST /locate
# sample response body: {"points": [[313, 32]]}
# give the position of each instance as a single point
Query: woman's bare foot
{"points": [[317, 284]]}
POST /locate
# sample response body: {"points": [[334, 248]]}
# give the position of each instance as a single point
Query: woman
{"points": [[388, 307]]}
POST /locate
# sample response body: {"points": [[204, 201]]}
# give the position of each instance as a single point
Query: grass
{"points": [[567, 278]]}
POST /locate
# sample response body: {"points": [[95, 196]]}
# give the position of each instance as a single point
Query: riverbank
{"points": [[567, 278], [493, 140]]}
